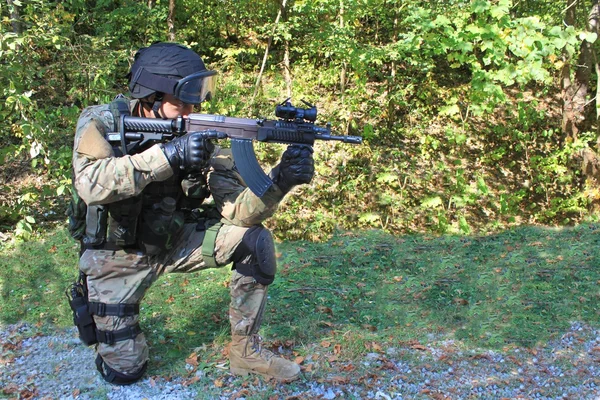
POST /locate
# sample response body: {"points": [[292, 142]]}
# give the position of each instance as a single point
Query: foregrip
{"points": [[287, 133]]}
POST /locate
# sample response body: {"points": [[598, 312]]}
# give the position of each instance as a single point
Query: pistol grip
{"points": [[248, 166]]}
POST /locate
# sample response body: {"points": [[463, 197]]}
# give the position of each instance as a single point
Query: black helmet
{"points": [[171, 68]]}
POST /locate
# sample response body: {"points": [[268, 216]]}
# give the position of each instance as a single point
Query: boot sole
{"points": [[246, 372]]}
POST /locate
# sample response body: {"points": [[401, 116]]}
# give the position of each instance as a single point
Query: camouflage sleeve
{"points": [[236, 203], [100, 177]]}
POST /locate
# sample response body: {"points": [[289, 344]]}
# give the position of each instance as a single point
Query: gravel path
{"points": [[59, 367]]}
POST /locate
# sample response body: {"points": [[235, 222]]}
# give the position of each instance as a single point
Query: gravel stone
{"points": [[58, 366]]}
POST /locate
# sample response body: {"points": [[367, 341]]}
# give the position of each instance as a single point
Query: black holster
{"points": [[82, 318]]}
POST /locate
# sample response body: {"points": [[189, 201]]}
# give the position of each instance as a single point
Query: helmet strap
{"points": [[158, 98]]}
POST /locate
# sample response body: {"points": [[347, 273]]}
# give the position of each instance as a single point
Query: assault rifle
{"points": [[295, 126]]}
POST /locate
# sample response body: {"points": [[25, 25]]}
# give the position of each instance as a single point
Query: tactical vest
{"points": [[148, 221]]}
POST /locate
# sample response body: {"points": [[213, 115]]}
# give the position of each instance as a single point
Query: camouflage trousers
{"points": [[124, 276]]}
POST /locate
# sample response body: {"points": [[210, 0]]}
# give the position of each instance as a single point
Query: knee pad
{"points": [[116, 377], [255, 255]]}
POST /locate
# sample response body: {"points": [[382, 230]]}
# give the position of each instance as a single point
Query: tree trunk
{"points": [[575, 89], [575, 92], [15, 17], [171, 21], [286, 69], [151, 4], [343, 69], [264, 61], [287, 72]]}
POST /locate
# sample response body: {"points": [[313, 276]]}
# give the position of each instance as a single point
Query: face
{"points": [[172, 107]]}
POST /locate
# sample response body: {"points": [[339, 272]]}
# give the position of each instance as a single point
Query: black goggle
{"points": [[193, 89], [196, 88]]}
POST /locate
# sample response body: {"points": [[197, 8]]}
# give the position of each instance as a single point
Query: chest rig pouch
{"points": [[122, 215]]}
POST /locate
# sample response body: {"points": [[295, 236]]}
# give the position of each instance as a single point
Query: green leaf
{"points": [[463, 225], [369, 218], [480, 6], [450, 110], [588, 36], [387, 177], [368, 131], [441, 20], [432, 202], [482, 186]]}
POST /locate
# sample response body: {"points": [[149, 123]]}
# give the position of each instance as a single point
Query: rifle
{"points": [[295, 126]]}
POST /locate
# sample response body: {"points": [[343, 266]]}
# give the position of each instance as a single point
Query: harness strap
{"points": [[116, 310], [111, 337], [208, 244]]}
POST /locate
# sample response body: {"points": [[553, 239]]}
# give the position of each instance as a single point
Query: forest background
{"points": [[476, 115], [480, 127]]}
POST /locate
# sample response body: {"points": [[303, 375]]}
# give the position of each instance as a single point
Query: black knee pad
{"points": [[115, 377], [255, 256]]}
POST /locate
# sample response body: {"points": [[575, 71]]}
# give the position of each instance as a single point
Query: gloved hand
{"points": [[190, 152], [296, 167]]}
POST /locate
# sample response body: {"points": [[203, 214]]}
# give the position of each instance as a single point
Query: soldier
{"points": [[137, 217]]}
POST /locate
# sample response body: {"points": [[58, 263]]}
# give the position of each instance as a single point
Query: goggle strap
{"points": [[156, 82]]}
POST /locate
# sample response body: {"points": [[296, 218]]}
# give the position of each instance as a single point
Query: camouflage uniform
{"points": [[122, 275]]}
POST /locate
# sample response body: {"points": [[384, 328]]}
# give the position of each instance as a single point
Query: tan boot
{"points": [[247, 355]]}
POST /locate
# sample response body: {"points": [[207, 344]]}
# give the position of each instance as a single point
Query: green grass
{"points": [[347, 297]]}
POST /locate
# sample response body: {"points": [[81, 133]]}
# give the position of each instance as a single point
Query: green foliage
{"points": [[455, 100]]}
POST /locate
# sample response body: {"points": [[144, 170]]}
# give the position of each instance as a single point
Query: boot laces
{"points": [[256, 345]]}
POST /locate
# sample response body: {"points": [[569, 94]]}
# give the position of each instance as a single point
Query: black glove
{"points": [[190, 152], [297, 166]]}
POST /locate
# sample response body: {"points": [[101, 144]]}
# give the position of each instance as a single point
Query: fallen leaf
{"points": [[339, 380], [325, 310], [27, 394], [241, 394], [52, 249], [418, 347], [170, 299], [337, 349], [348, 368], [389, 365], [460, 301], [325, 343], [371, 328], [192, 359], [218, 383], [299, 360], [76, 392], [191, 381]]}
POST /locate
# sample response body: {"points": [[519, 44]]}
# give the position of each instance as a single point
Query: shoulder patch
{"points": [[93, 144]]}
